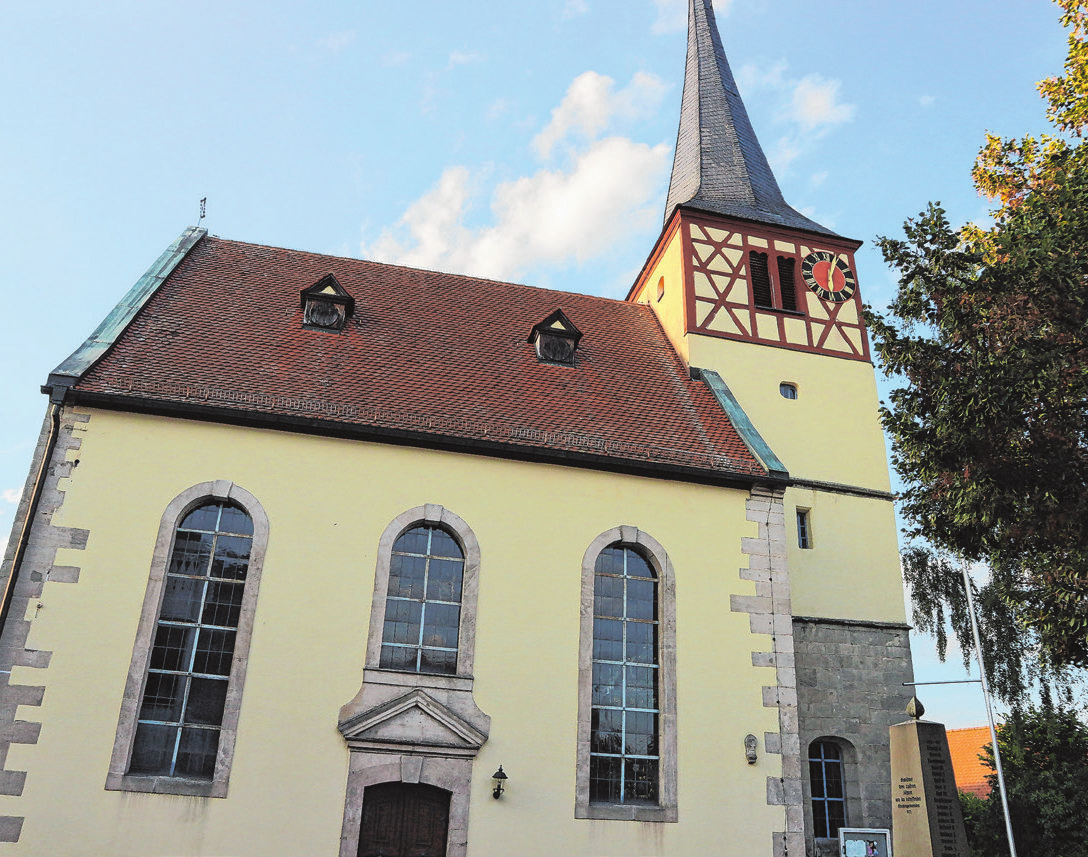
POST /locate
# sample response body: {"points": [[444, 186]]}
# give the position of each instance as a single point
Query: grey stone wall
{"points": [[850, 687]]}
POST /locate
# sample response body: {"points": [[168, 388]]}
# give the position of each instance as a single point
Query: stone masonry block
{"points": [[11, 827], [64, 574], [12, 782], [755, 547], [21, 694], [749, 604], [776, 792], [20, 732]]}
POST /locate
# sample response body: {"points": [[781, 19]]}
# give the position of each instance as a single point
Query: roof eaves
{"points": [[743, 425], [736, 476], [113, 325]]}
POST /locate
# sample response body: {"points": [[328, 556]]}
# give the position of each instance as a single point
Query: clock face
{"points": [[829, 276]]}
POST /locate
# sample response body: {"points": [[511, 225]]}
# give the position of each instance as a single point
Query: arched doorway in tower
{"points": [[404, 820]]}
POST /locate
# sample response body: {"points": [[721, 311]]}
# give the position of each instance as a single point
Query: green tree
{"points": [[1044, 755], [989, 334]]}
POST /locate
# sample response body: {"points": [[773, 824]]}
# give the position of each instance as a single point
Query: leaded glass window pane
{"points": [[181, 713], [423, 602], [624, 744], [828, 792]]}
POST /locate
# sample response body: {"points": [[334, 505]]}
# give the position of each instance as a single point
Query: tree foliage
{"points": [[989, 332], [1044, 756]]}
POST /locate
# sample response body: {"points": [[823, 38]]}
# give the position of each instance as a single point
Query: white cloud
{"points": [[816, 104], [927, 100], [395, 58], [672, 15], [590, 105], [11, 495], [574, 8], [499, 107], [552, 216], [752, 76], [604, 188], [464, 58], [817, 179], [783, 153], [808, 107], [336, 42]]}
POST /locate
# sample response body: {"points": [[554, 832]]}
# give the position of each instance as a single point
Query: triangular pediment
{"points": [[329, 288], [416, 720], [556, 324]]}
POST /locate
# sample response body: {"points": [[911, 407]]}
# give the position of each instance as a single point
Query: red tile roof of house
{"points": [[965, 746], [427, 357]]}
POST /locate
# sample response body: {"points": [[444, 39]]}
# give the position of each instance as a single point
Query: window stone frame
{"points": [[431, 515], [667, 809], [387, 746], [118, 778]]}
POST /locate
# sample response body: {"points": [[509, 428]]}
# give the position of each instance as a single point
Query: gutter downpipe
{"points": [[31, 512]]}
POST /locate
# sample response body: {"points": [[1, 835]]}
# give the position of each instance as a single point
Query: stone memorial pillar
{"points": [[926, 816]]}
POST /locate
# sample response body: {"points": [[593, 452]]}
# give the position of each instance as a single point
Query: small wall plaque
{"points": [[864, 842]]}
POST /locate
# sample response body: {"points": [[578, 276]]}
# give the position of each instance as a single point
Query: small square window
{"points": [[661, 288], [788, 390], [804, 529]]}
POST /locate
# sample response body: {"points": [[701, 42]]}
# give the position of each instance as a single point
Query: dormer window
{"points": [[555, 339], [326, 305]]}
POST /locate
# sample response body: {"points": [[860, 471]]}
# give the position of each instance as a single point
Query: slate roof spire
{"points": [[719, 165]]}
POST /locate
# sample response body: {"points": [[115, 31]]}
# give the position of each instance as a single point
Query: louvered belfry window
{"points": [[624, 751], [181, 711], [787, 282], [423, 602], [761, 279]]}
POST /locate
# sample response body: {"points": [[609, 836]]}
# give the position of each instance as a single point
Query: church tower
{"points": [[764, 305]]}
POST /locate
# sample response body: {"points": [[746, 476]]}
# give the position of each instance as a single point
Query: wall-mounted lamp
{"points": [[750, 744], [500, 779]]}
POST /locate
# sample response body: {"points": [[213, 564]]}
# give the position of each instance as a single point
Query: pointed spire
{"points": [[719, 165]]}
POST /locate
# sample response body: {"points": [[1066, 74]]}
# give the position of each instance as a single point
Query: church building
{"points": [[319, 556]]}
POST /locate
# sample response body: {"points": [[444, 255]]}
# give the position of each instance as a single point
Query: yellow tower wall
{"points": [[666, 266], [328, 501]]}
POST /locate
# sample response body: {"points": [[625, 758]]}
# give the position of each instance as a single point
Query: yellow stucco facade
{"points": [[328, 501]]}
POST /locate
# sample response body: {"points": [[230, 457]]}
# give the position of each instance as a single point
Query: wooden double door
{"points": [[404, 820]]}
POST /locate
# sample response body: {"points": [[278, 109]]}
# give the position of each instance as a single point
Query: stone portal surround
{"points": [[770, 612], [38, 566]]}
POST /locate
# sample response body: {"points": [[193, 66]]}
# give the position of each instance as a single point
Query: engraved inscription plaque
{"points": [[926, 816]]}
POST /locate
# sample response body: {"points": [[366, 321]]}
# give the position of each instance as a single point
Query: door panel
{"points": [[404, 820]]}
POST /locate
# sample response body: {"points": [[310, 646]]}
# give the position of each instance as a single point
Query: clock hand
{"points": [[831, 272]]}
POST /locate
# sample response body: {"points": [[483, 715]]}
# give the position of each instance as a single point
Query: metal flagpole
{"points": [[989, 710]]}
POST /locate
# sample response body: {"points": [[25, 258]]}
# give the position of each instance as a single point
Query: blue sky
{"points": [[528, 141]]}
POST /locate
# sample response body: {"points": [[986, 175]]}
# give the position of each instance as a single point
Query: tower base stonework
{"points": [[926, 816], [850, 678]]}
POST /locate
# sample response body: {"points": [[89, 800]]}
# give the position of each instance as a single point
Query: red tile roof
{"points": [[427, 356], [965, 746]]}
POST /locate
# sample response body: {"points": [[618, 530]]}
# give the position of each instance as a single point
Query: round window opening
{"points": [[788, 391]]}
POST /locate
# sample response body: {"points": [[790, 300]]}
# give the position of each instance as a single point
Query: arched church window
{"points": [[627, 690], [825, 766], [423, 602], [624, 752], [181, 713], [179, 716]]}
